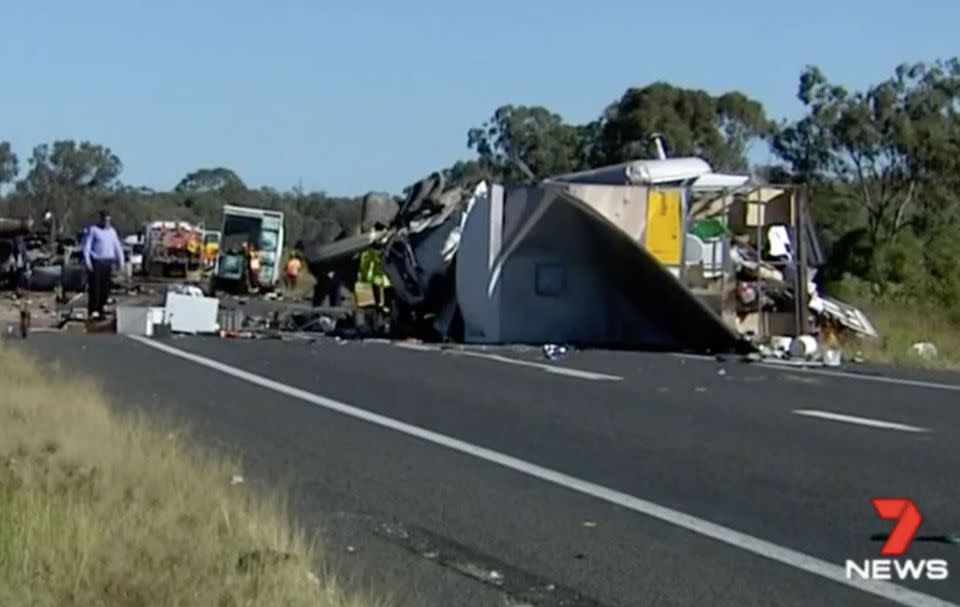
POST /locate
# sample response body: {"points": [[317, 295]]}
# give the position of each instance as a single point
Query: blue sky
{"points": [[371, 96]]}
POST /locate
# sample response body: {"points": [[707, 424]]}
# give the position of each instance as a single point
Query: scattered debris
{"points": [[833, 357], [925, 349], [804, 347], [555, 352], [717, 270], [183, 289]]}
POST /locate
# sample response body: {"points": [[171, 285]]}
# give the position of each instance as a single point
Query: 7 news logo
{"points": [[908, 520]]}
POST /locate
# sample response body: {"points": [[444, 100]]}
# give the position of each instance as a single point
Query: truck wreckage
{"points": [[661, 254], [651, 254]]}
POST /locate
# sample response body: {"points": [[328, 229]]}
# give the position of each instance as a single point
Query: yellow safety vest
{"points": [[371, 269]]}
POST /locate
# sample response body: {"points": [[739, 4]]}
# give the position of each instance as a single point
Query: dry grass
{"points": [[901, 326], [97, 509]]}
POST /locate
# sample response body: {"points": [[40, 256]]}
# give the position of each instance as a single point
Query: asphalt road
{"points": [[604, 478]]}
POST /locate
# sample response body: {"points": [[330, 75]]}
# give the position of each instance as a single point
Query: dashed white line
{"points": [[554, 369], [578, 373], [412, 346], [860, 421], [882, 379], [804, 562]]}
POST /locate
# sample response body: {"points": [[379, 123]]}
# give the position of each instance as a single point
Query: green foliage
{"points": [[75, 181], [9, 165], [69, 166], [691, 123], [207, 180], [534, 135], [892, 149], [886, 164]]}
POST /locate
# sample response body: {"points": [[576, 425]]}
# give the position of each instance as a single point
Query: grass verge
{"points": [[900, 326], [102, 509]]}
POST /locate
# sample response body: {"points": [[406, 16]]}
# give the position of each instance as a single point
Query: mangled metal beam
{"points": [[15, 226]]}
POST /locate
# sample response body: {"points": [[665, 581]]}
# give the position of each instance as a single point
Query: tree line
{"points": [[883, 164]]}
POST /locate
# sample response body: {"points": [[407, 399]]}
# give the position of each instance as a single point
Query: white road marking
{"points": [[578, 373], [804, 562], [861, 421], [693, 356], [413, 346], [565, 371], [883, 379]]}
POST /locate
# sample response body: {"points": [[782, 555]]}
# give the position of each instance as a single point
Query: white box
{"points": [[191, 314], [133, 320], [138, 320]]}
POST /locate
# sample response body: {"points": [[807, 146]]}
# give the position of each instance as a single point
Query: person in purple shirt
{"points": [[102, 251]]}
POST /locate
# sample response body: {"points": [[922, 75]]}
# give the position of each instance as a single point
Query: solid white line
{"points": [[861, 421], [793, 558]]}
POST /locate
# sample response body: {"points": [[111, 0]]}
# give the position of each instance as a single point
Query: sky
{"points": [[352, 97]]}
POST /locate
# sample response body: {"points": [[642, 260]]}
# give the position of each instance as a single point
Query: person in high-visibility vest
{"points": [[210, 252], [371, 272]]}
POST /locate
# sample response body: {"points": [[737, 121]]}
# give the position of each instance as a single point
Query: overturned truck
{"points": [[656, 254]]}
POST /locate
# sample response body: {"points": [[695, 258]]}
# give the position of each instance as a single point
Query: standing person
{"points": [[101, 252], [292, 271], [254, 267], [22, 266]]}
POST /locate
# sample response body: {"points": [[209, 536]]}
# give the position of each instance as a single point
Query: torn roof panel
{"points": [[564, 273]]}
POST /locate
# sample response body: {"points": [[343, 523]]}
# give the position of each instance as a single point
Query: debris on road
{"points": [[924, 349], [555, 352], [661, 254]]}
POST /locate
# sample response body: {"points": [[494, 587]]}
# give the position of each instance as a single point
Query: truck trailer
{"points": [[249, 237], [173, 249]]}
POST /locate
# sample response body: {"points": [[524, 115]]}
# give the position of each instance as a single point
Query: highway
{"points": [[463, 476]]}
